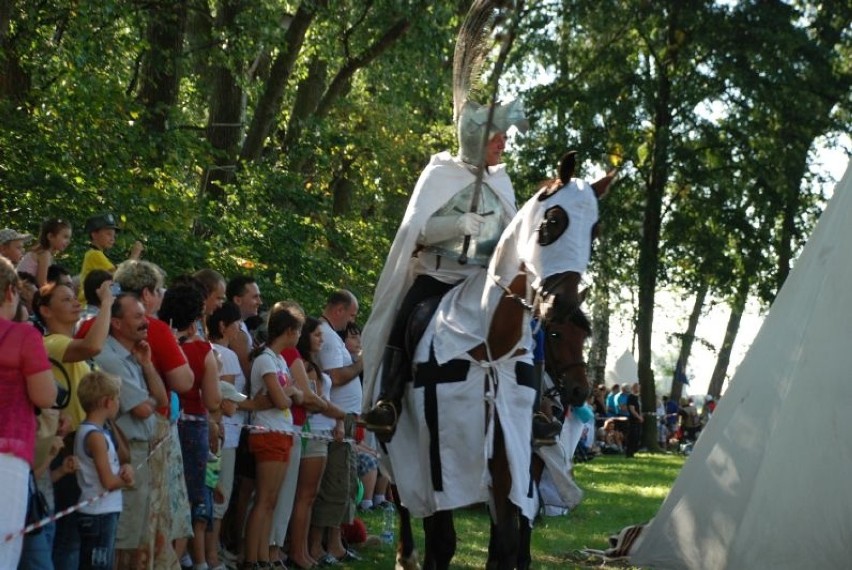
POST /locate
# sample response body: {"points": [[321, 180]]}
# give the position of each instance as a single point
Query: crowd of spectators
{"points": [[619, 418], [184, 425]]}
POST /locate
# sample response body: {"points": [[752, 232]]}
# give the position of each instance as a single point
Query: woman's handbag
{"points": [[37, 508]]}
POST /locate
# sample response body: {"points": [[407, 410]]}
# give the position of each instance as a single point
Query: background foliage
{"points": [[283, 137]]}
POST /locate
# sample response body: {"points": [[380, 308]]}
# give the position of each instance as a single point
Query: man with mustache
{"points": [[127, 354]]}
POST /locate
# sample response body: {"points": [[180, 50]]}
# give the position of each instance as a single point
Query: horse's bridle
{"points": [[540, 304]]}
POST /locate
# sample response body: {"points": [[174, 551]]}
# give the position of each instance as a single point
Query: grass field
{"points": [[618, 492]]}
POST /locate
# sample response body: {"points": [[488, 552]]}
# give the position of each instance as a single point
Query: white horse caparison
{"points": [[464, 434]]}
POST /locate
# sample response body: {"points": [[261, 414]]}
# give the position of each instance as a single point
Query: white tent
{"points": [[769, 483], [625, 371]]}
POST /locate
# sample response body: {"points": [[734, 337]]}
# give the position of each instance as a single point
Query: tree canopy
{"points": [[283, 138]]}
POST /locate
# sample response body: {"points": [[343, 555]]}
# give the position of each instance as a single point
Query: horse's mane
{"points": [[566, 308]]}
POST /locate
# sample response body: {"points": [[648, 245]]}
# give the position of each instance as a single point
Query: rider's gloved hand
{"points": [[470, 224], [441, 228]]}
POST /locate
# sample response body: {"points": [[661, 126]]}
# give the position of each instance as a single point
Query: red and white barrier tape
{"points": [[73, 508], [293, 430], [186, 417]]}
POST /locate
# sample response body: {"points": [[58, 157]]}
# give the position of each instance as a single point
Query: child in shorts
{"points": [[220, 474], [99, 473]]}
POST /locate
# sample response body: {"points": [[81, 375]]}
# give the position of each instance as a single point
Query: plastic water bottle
{"points": [[388, 524]]}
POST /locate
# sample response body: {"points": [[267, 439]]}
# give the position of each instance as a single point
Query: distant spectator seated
{"points": [[609, 438], [671, 411], [707, 410]]}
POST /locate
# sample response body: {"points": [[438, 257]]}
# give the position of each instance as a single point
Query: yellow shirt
{"points": [[56, 345], [94, 259]]}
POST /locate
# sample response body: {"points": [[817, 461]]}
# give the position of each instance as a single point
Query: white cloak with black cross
{"points": [[439, 454], [443, 177]]}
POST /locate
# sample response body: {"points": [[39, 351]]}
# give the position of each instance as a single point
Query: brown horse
{"points": [[536, 266]]}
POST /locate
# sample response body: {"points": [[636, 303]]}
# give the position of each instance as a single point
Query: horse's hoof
{"points": [[409, 562]]}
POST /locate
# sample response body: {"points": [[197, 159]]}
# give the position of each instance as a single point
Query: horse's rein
{"points": [[529, 306]]}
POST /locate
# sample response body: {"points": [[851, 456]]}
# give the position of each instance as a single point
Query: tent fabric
{"points": [[768, 483], [625, 371]]}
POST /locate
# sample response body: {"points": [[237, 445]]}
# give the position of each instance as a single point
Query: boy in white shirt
{"points": [[99, 471]]}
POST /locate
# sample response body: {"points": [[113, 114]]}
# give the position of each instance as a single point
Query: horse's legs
{"points": [[440, 540], [504, 542], [524, 543], [525, 530], [405, 547]]}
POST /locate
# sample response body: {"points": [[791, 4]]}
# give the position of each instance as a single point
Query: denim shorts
{"points": [[203, 510], [366, 463], [97, 540]]}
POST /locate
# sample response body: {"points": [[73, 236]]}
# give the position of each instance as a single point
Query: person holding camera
{"points": [[58, 309], [26, 382]]}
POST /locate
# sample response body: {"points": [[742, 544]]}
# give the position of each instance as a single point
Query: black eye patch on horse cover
{"points": [[555, 223]]}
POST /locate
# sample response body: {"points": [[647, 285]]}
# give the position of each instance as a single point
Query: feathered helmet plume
{"points": [[472, 47]]}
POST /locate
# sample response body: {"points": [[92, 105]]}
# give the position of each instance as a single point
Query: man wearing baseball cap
{"points": [[101, 229], [12, 244]]}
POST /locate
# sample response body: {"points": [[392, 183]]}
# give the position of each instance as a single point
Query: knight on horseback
{"points": [[424, 261]]}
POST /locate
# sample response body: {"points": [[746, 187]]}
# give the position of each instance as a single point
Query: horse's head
{"points": [[561, 224], [566, 329]]}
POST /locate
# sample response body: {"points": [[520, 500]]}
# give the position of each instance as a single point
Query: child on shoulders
{"points": [[53, 238], [101, 230]]}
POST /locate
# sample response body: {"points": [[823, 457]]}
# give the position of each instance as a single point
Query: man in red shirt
{"points": [[146, 280]]}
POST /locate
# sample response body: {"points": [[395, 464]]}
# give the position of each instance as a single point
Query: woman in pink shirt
{"points": [[26, 381]]}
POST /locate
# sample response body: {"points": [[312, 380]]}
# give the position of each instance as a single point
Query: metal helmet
{"points": [[472, 47], [471, 127]]}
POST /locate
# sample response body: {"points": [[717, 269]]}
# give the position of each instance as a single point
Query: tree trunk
{"points": [[342, 190], [158, 83], [15, 82], [720, 372], [688, 339], [200, 45], [224, 126], [341, 82], [311, 100], [600, 333], [273, 93], [649, 245], [307, 98]]}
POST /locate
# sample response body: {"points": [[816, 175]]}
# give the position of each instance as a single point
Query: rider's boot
{"points": [[382, 418], [545, 429]]}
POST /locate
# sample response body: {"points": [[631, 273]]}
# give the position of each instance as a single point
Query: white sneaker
{"points": [[228, 556]]}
